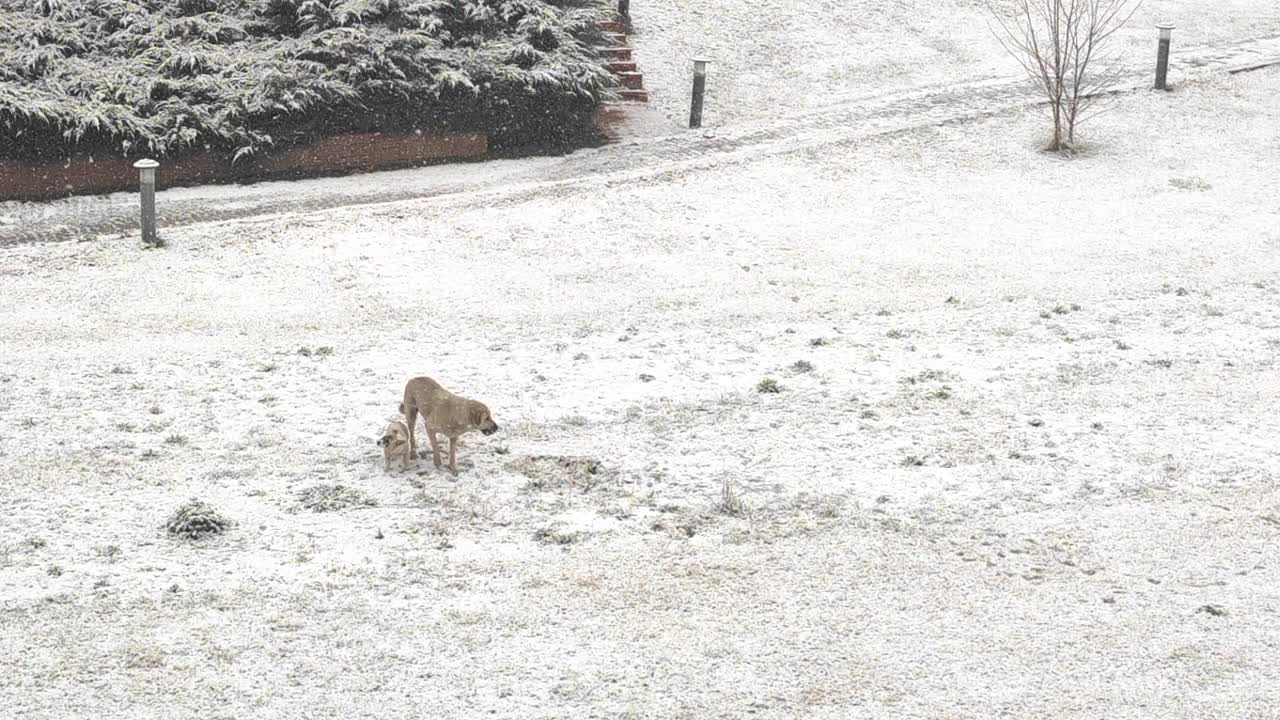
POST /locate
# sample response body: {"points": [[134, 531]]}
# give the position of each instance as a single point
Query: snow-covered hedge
{"points": [[168, 77]]}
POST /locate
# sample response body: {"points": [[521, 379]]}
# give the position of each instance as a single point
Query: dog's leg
{"points": [[435, 446], [386, 461], [411, 419], [453, 455]]}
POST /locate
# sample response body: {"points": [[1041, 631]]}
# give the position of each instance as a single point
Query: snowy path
{"points": [[844, 119]]}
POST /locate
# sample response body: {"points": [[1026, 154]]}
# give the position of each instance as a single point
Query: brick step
{"points": [[631, 80], [621, 62]]}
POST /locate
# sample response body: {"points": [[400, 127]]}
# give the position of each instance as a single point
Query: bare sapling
{"points": [[1060, 44]]}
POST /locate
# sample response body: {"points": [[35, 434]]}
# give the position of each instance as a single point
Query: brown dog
{"points": [[395, 443], [443, 413]]}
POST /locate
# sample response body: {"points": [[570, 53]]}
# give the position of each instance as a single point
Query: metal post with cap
{"points": [[147, 181], [699, 88], [1162, 58]]}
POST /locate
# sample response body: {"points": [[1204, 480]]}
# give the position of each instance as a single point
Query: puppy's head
{"points": [[396, 432], [481, 419]]}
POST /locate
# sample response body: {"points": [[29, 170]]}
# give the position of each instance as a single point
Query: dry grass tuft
{"points": [[768, 385], [731, 503], [196, 519]]}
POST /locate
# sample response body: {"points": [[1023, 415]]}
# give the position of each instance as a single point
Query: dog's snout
{"points": [[493, 428]]}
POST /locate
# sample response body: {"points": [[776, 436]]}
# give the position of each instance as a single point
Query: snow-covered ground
{"points": [[1026, 432], [771, 57]]}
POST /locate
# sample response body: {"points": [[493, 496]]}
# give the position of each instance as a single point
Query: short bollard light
{"points": [[1162, 58], [147, 182], [624, 9], [699, 88]]}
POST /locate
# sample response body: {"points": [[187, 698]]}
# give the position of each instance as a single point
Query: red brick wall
{"points": [[83, 174]]}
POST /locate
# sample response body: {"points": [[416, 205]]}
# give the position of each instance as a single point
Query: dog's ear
{"points": [[478, 414]]}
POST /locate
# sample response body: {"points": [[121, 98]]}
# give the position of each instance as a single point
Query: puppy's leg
{"points": [[386, 460], [453, 455], [435, 446]]}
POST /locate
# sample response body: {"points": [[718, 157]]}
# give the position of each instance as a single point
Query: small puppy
{"points": [[443, 413], [395, 443]]}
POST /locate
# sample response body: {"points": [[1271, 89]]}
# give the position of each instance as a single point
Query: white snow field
{"points": [[771, 57], [1022, 462]]}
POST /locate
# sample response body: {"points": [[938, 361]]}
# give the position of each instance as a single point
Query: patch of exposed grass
{"points": [[107, 551], [927, 376], [556, 536], [768, 385], [549, 472], [328, 498], [941, 393]]}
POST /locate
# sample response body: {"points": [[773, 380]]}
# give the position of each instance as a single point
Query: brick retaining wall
{"points": [[85, 174]]}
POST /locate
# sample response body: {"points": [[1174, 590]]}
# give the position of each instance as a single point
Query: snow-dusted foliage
{"points": [[165, 77]]}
